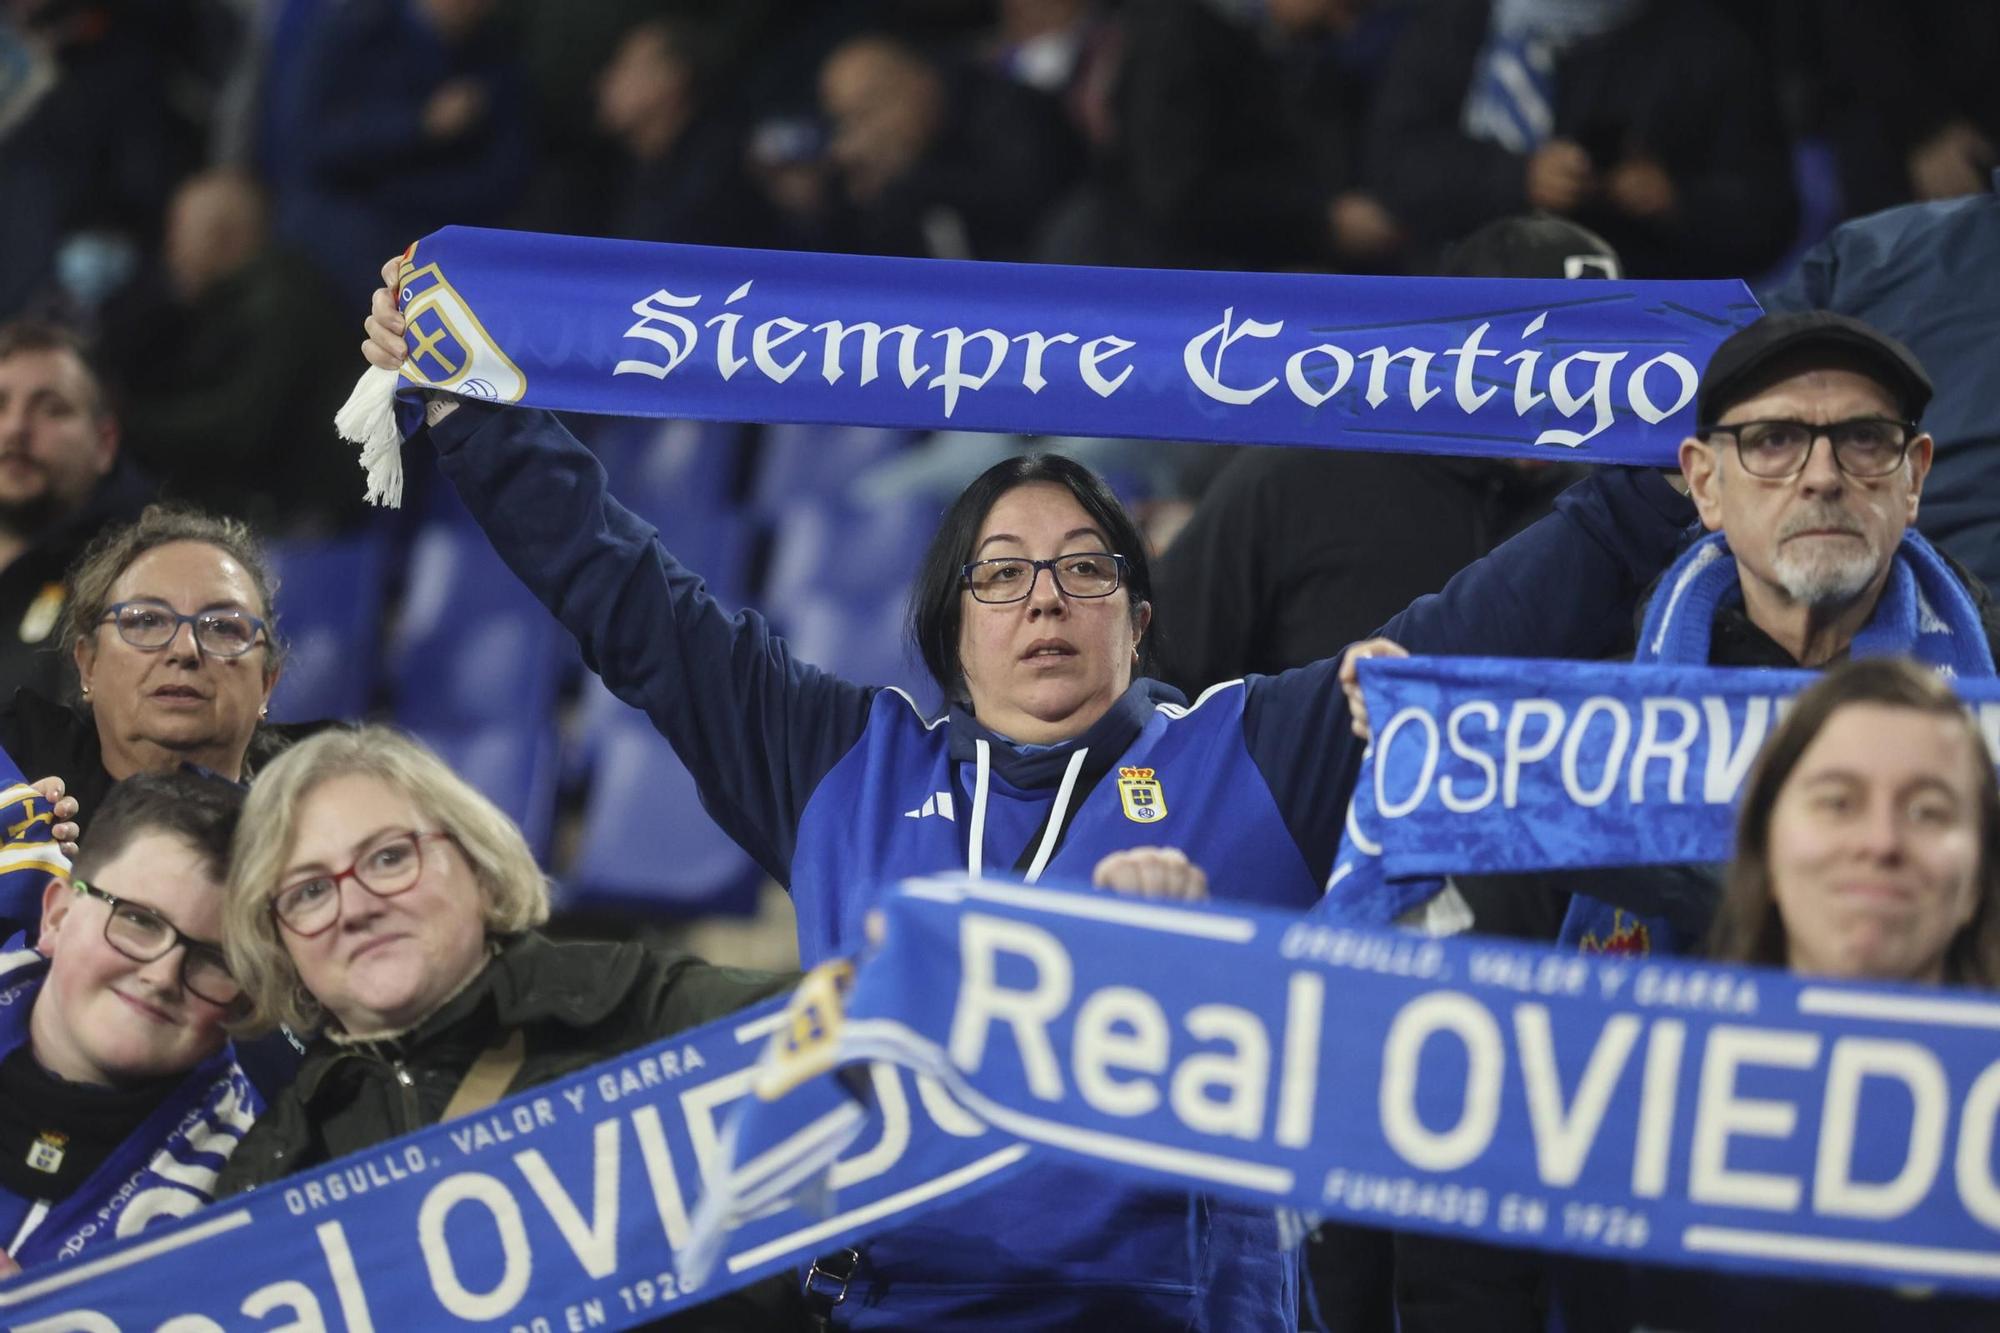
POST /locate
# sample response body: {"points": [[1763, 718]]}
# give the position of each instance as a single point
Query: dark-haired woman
{"points": [[1867, 849], [1032, 611]]}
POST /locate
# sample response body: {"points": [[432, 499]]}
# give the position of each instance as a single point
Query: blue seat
{"points": [[512, 764], [862, 641], [668, 466], [834, 549], [805, 461], [330, 598], [648, 846], [475, 663]]}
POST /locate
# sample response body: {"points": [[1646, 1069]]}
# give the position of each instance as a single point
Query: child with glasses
{"points": [[118, 1087]]}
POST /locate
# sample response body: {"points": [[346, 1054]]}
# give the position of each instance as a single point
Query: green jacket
{"points": [[576, 1003]]}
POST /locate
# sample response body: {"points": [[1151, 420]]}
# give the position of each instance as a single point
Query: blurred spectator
{"points": [[62, 480], [89, 148], [1911, 102], [683, 177], [1650, 122], [232, 372], [1929, 275], [1068, 49], [410, 116], [1237, 141], [1295, 553], [949, 163]]}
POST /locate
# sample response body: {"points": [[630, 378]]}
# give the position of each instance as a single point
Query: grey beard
{"points": [[1827, 583]]}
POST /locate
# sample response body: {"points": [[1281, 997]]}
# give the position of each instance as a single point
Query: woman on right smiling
{"points": [[1867, 849]]}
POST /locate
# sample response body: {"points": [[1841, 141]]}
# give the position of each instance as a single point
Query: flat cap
{"points": [[1742, 365]]}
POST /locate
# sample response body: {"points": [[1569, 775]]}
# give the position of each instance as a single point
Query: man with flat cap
{"points": [[1806, 468], [1809, 460]]}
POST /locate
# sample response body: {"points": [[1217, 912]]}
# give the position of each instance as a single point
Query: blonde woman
{"points": [[379, 903]]}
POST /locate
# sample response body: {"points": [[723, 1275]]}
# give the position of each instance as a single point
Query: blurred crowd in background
{"points": [[202, 191]]}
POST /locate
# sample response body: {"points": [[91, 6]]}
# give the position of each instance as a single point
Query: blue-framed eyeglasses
{"points": [[150, 625]]}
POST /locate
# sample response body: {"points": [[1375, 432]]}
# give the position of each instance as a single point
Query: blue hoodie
{"points": [[838, 789]]}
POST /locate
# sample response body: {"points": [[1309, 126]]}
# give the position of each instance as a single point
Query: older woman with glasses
{"points": [[1058, 759], [380, 903], [118, 1090], [172, 633]]}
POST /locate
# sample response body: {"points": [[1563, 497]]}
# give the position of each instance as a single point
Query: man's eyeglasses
{"points": [[390, 867], [151, 625], [143, 935], [1086, 574], [1778, 450]]}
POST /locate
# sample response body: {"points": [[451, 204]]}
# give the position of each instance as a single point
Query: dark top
{"points": [[1679, 82], [31, 587], [1293, 554], [230, 400], [1230, 147], [1891, 76], [85, 1124], [1003, 156]]}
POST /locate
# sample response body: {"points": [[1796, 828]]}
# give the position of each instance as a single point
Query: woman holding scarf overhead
{"points": [[111, 1029], [1032, 610]]}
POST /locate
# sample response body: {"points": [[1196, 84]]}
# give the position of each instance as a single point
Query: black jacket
{"points": [[576, 1003], [31, 586], [1293, 554]]}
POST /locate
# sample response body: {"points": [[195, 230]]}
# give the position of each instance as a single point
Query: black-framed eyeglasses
{"points": [[389, 867], [144, 936], [1085, 574], [151, 625], [1778, 450]]}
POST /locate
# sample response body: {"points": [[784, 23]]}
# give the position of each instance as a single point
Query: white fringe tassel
{"points": [[368, 418]]}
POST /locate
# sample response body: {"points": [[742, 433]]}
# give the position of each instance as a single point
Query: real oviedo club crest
{"points": [[1139, 792]]}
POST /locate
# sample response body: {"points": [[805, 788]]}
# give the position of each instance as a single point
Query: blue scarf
{"points": [[1924, 612], [1495, 367], [1481, 1089], [165, 1170], [573, 1194], [1478, 1089], [27, 857]]}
